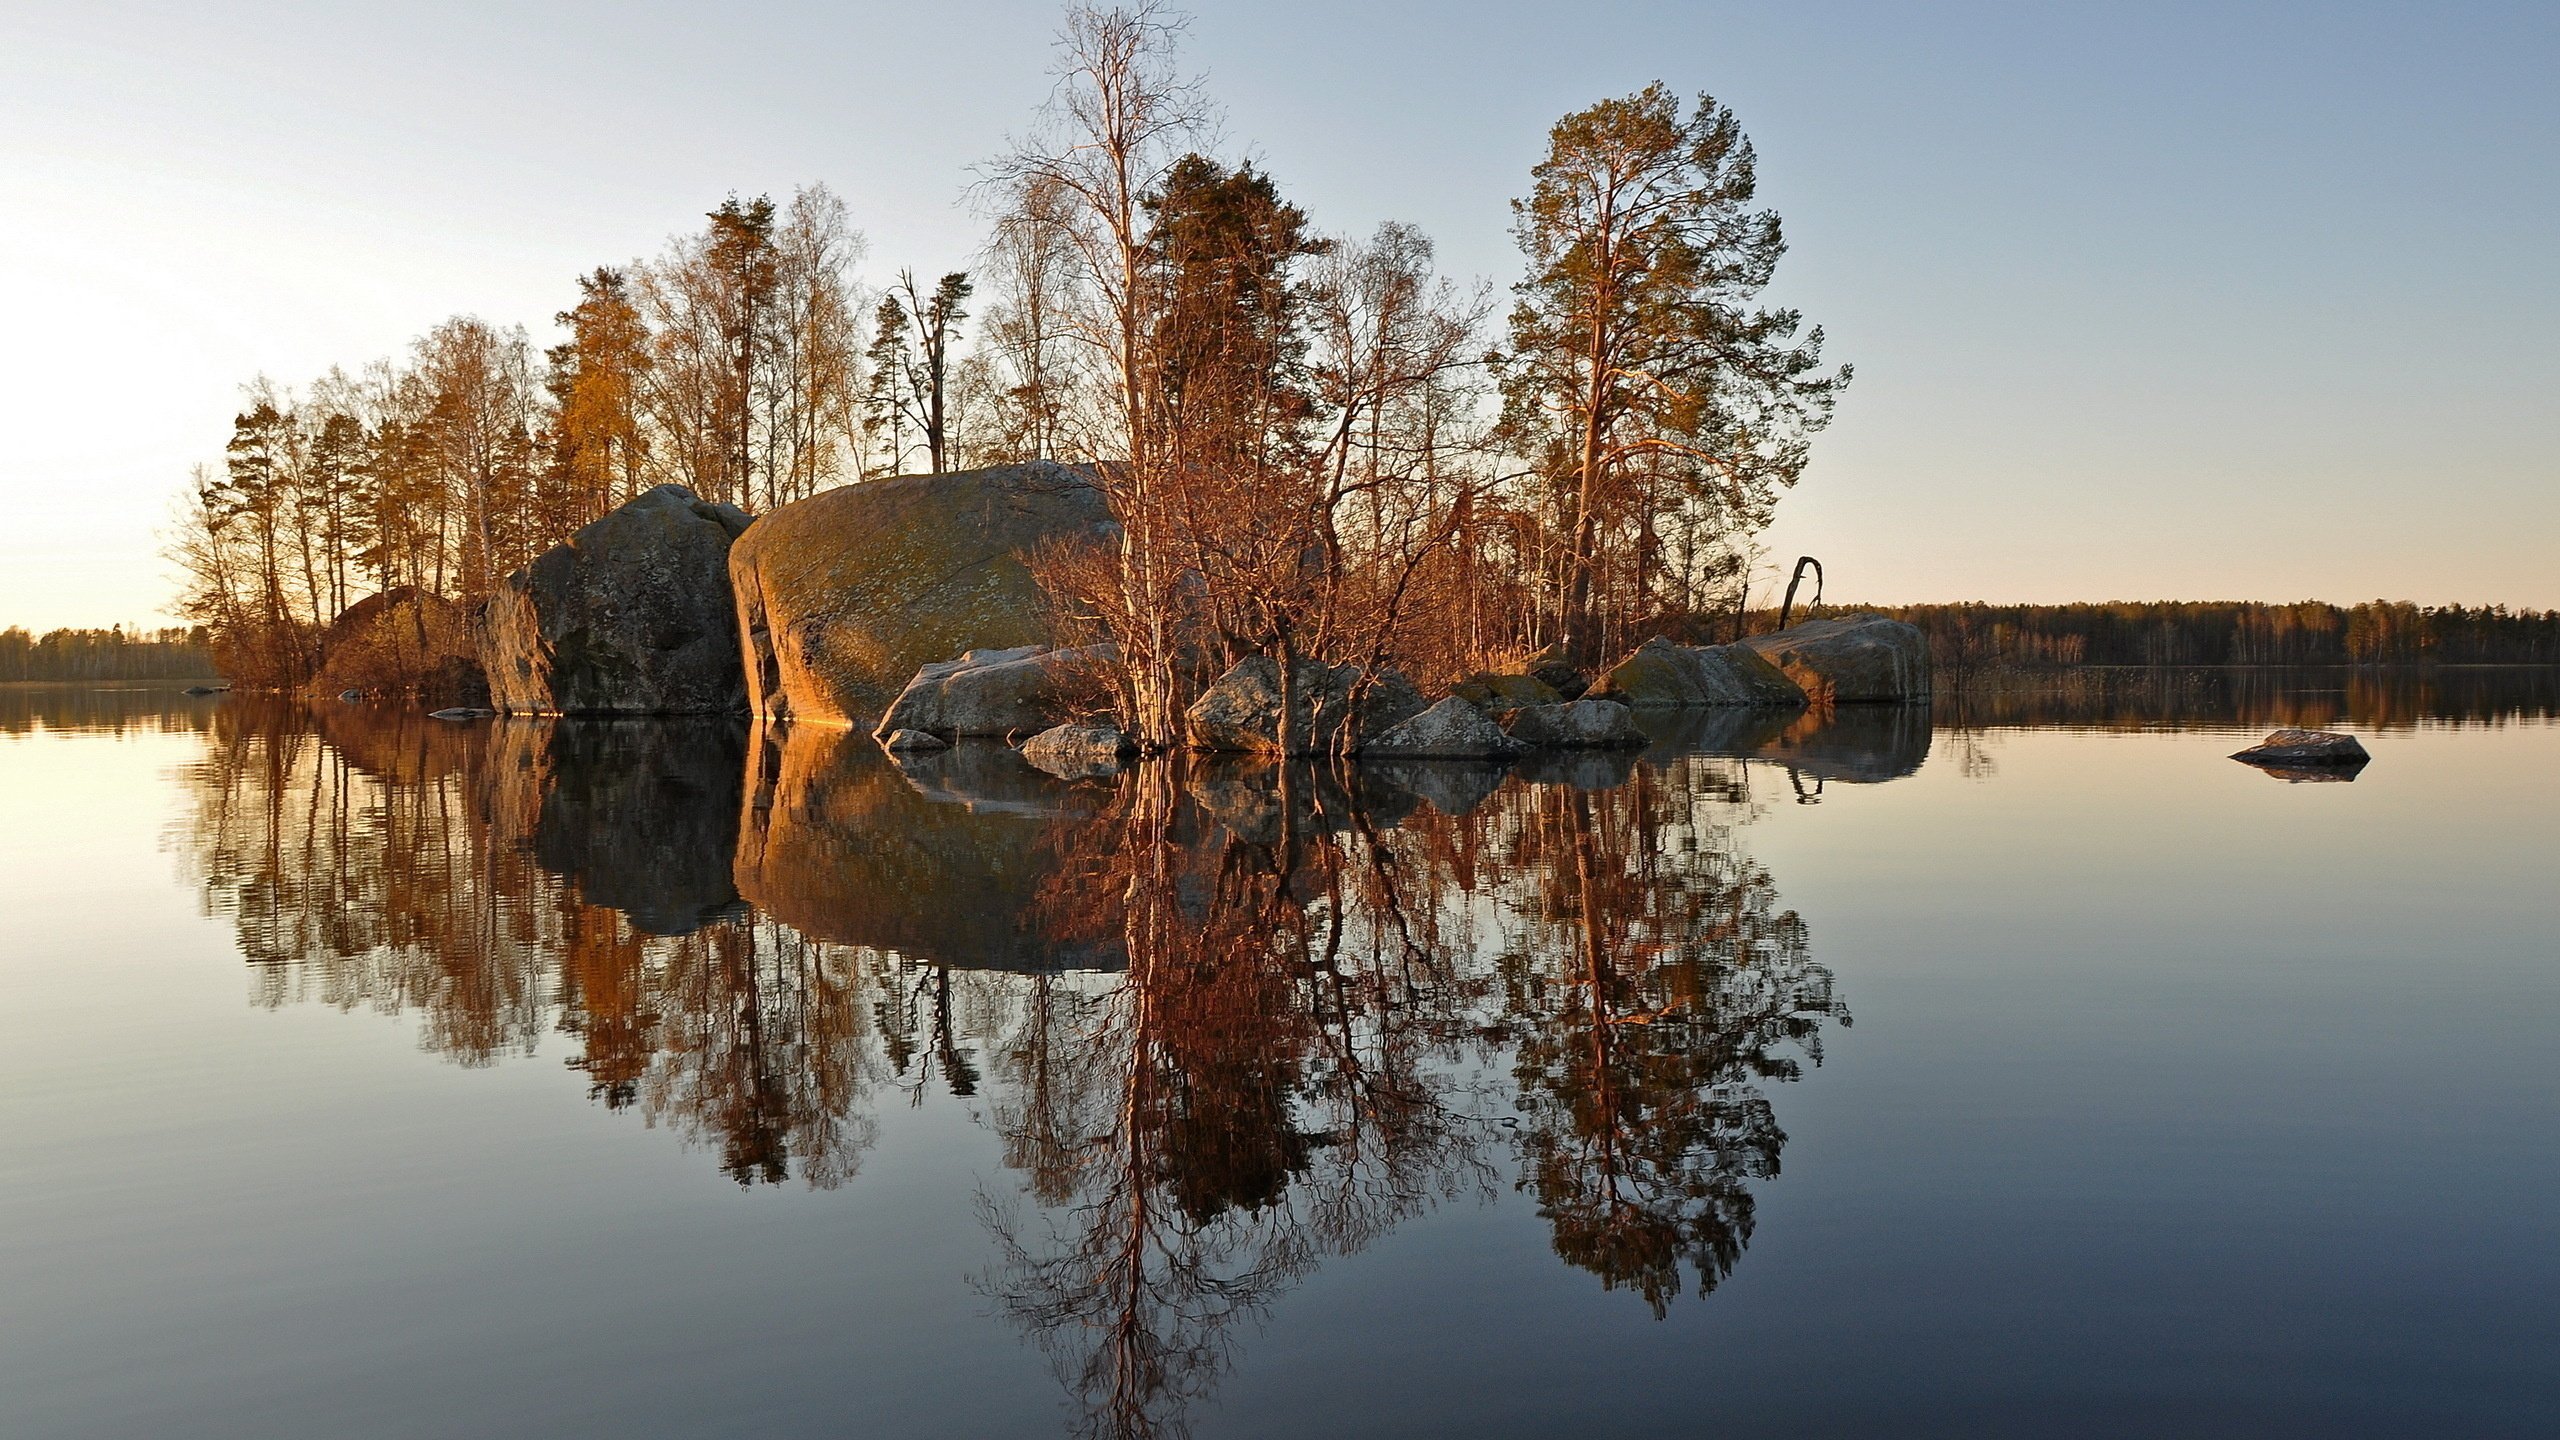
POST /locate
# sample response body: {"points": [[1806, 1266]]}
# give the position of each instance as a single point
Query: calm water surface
{"points": [[2030, 1071]]}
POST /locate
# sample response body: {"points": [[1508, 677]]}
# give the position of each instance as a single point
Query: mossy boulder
{"points": [[631, 617], [1005, 693], [1660, 675], [844, 596], [1495, 693]]}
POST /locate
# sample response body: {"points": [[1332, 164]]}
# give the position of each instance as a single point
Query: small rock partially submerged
{"points": [[2292, 748], [461, 712], [1576, 725], [1241, 712], [1021, 690], [913, 740], [1089, 750], [206, 689], [1450, 730]]}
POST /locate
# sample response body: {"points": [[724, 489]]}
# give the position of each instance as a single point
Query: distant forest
{"points": [[1971, 637], [111, 654]]}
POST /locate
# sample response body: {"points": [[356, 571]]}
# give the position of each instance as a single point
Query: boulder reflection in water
{"points": [[1224, 1017]]}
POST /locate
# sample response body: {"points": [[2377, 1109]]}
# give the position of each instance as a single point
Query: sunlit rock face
{"points": [[844, 596], [404, 641], [632, 616], [942, 857], [1856, 659], [1660, 675]]}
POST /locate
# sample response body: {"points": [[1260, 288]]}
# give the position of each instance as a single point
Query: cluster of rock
{"points": [[910, 600]]}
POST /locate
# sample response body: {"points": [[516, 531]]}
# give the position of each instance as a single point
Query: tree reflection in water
{"points": [[1225, 1021]]}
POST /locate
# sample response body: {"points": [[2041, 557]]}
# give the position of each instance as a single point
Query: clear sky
{"points": [[2147, 300]]}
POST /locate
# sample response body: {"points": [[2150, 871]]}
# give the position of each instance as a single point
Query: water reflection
{"points": [[1225, 1019]]}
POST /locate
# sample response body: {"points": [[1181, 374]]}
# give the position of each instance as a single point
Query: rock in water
{"points": [[461, 712], [1577, 725], [844, 596], [1004, 692], [1091, 750], [632, 616], [404, 641], [895, 740], [1242, 710], [1450, 730], [1660, 675], [2293, 748], [1851, 660]]}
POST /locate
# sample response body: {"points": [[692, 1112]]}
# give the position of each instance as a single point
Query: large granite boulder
{"points": [[1576, 725], [1851, 660], [1661, 675], [632, 616], [404, 641], [844, 596], [1241, 711], [1004, 693], [1450, 730]]}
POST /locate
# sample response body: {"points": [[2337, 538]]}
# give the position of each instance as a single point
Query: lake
{"points": [[2026, 1068]]}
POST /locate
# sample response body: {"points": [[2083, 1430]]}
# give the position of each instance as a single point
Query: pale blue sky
{"points": [[2151, 300]]}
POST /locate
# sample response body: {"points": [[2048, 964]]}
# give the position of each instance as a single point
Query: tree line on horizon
{"points": [[1968, 638], [1317, 444], [115, 653]]}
